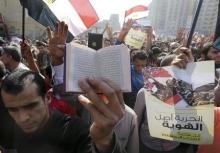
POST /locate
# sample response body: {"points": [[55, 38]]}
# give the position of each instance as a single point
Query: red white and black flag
{"points": [[137, 12], [79, 15]]}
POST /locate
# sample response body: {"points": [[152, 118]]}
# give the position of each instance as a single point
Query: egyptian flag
{"points": [[78, 14], [160, 72], [137, 12]]}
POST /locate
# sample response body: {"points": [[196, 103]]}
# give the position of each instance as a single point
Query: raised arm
{"points": [[28, 56], [124, 31], [57, 42]]}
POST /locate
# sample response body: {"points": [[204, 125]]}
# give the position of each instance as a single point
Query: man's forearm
{"points": [[113, 147]]}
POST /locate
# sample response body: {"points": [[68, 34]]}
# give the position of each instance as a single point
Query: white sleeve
{"points": [[58, 73]]}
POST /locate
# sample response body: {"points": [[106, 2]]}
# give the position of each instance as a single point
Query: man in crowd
{"points": [[211, 51], [11, 57], [139, 61], [24, 96], [43, 58]]}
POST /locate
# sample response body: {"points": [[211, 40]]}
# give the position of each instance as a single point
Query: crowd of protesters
{"points": [[37, 115]]}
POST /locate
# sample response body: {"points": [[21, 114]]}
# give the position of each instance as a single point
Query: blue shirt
{"points": [[137, 80]]}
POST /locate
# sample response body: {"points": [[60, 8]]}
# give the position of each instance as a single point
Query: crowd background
{"points": [[40, 57]]}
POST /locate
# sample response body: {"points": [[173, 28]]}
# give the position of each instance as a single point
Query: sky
{"points": [[105, 8]]}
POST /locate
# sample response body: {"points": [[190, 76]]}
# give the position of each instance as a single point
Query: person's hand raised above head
{"points": [[57, 42], [106, 110], [125, 29], [26, 50], [185, 56]]}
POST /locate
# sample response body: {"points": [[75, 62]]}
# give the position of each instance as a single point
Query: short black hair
{"points": [[40, 43], [15, 82], [2, 70], [167, 60], [2, 41], [15, 52], [156, 50], [205, 49], [141, 55]]}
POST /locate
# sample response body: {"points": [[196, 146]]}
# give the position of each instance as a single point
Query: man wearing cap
{"points": [[11, 57]]}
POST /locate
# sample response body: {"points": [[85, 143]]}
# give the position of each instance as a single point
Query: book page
{"points": [[79, 65], [113, 63], [198, 74]]}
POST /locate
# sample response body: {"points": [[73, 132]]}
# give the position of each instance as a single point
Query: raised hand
{"points": [[57, 42], [125, 29], [106, 110], [26, 50], [28, 56]]}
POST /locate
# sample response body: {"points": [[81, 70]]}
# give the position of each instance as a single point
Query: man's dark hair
{"points": [[2, 70], [141, 55], [40, 43], [205, 49], [15, 82], [167, 60], [1, 51], [2, 42], [156, 50], [14, 52]]}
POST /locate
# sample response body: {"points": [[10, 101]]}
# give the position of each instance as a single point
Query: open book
{"points": [[112, 63]]}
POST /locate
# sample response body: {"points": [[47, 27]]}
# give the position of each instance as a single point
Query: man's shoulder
{"points": [[67, 121], [21, 66], [70, 129], [141, 92]]}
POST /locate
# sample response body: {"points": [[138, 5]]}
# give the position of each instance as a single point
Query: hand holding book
{"points": [[105, 115]]}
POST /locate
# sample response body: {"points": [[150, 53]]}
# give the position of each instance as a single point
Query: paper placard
{"points": [[169, 114]]}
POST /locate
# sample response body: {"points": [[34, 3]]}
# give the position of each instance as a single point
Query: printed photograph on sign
{"points": [[180, 102], [162, 84]]}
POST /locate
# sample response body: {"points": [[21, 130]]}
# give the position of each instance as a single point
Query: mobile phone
{"points": [[95, 40]]}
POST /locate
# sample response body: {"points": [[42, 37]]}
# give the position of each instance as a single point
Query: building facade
{"points": [[12, 12], [169, 15], [208, 17]]}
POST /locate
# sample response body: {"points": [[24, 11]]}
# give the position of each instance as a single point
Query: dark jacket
{"points": [[62, 134]]}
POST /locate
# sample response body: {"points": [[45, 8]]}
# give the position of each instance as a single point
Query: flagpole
{"points": [[217, 30], [194, 23], [23, 22], [124, 19]]}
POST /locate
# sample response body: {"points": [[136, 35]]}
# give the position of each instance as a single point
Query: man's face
{"points": [[41, 48], [5, 58], [214, 54], [139, 65], [28, 109], [107, 43], [217, 93]]}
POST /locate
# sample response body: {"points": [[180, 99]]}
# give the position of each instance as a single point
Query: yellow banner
{"points": [[135, 38], [49, 1]]}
